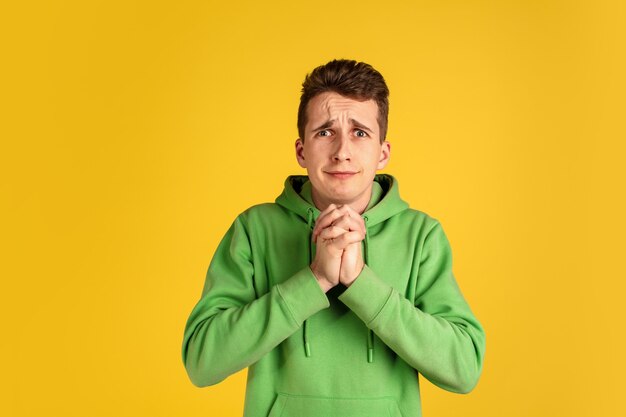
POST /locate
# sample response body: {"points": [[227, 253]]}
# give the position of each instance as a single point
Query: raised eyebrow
{"points": [[361, 125], [325, 125]]}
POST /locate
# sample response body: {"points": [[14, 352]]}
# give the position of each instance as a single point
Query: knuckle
{"points": [[337, 230]]}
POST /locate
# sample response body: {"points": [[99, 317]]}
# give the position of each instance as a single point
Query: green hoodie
{"points": [[353, 351]]}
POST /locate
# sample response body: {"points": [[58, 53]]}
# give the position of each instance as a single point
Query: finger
{"points": [[325, 220], [349, 223], [331, 232], [344, 240], [328, 220], [325, 212], [328, 210], [330, 217], [356, 216]]}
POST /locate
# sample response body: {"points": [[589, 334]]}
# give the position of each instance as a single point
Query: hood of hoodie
{"points": [[389, 205]]}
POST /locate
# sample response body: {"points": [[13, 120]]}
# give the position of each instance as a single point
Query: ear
{"points": [[385, 154], [300, 153]]}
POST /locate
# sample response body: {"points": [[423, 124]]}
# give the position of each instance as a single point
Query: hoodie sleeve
{"points": [[436, 333], [230, 327]]}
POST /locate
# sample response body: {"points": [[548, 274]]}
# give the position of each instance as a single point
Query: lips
{"points": [[341, 174]]}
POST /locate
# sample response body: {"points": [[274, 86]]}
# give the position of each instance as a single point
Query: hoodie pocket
{"points": [[287, 405]]}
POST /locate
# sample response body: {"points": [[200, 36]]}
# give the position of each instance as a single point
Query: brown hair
{"points": [[356, 80]]}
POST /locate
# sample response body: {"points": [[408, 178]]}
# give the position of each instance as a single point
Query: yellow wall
{"points": [[133, 132]]}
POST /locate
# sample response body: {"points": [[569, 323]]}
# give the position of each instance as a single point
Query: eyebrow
{"points": [[325, 125], [361, 126], [329, 123]]}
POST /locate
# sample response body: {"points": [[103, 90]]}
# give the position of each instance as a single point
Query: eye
{"points": [[323, 133], [360, 133]]}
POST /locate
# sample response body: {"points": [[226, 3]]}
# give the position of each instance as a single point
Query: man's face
{"points": [[341, 150]]}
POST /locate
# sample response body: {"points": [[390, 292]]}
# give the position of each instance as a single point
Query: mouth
{"points": [[341, 174]]}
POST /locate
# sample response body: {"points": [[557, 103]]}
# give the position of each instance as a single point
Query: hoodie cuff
{"points": [[302, 295], [367, 295]]}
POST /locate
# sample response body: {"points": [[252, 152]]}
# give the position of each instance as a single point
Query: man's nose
{"points": [[342, 150]]}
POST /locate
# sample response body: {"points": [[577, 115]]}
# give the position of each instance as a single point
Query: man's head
{"points": [[341, 141], [356, 80]]}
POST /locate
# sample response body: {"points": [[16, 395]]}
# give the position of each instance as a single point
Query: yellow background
{"points": [[133, 133]]}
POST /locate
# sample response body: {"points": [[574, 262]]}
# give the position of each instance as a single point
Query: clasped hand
{"points": [[338, 233]]}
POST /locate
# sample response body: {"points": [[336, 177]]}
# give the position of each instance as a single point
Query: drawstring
{"points": [[370, 333], [307, 347]]}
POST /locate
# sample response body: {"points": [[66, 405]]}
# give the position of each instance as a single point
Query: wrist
{"points": [[324, 284], [349, 281]]}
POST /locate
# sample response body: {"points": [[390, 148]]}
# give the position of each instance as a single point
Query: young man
{"points": [[338, 294]]}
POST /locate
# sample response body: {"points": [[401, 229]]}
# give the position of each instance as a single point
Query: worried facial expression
{"points": [[341, 150]]}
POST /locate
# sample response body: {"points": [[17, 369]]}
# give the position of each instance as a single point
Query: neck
{"points": [[359, 204]]}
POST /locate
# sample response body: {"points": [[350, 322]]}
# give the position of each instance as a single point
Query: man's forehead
{"points": [[329, 105]]}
